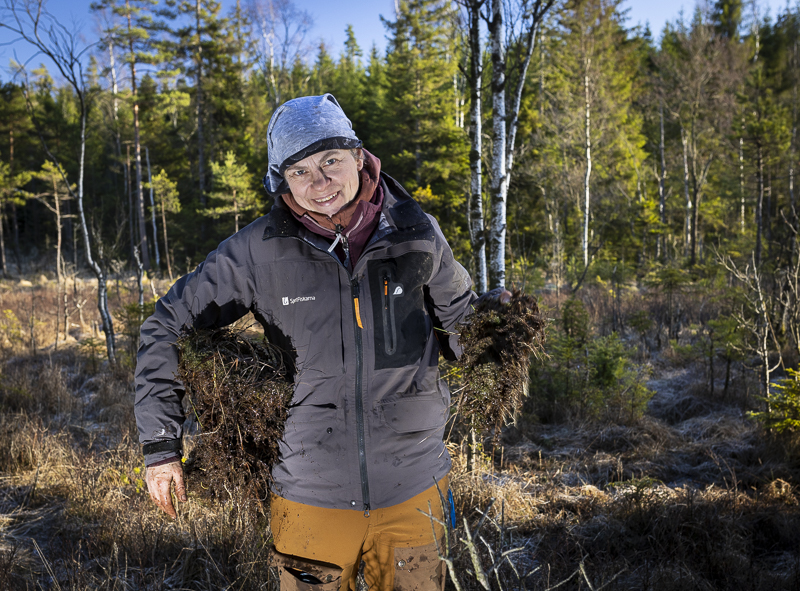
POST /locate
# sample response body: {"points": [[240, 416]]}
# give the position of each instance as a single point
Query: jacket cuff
{"points": [[162, 462], [157, 451], [490, 295]]}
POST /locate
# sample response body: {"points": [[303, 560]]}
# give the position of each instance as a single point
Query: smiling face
{"points": [[326, 181]]}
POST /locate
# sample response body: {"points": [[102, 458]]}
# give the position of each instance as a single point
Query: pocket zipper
{"points": [[389, 329]]}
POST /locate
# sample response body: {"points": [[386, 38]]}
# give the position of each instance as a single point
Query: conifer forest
{"points": [[639, 184]]}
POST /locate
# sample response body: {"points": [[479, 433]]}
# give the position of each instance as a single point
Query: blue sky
{"points": [[332, 17]]}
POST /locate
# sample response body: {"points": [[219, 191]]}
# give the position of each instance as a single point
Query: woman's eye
{"points": [[330, 161]]}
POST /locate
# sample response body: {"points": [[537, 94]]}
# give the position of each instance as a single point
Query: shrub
{"points": [[782, 412], [11, 335], [588, 377]]}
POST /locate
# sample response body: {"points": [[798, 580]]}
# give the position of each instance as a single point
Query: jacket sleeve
{"points": [[217, 293], [450, 298]]}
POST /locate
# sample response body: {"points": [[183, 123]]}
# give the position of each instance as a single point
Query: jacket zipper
{"points": [[362, 452], [341, 236]]}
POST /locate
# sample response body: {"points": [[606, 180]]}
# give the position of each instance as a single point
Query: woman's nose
{"points": [[319, 179]]}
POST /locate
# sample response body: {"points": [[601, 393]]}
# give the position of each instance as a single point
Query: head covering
{"points": [[302, 127]]}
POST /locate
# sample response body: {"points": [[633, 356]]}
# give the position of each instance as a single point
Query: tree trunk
{"points": [[3, 261], [59, 261], [115, 106], [138, 153], [741, 185], [662, 197], [759, 206], [152, 209], [14, 229], [235, 214], [793, 143], [102, 279], [504, 124], [475, 208], [166, 244], [201, 174], [687, 226], [499, 181], [128, 188], [587, 177]]}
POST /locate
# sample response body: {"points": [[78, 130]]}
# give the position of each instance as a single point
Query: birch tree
{"points": [[30, 21], [694, 65], [519, 35], [282, 30], [134, 37], [474, 75]]}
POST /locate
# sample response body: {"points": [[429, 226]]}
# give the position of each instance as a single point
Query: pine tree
{"points": [[727, 17], [233, 187], [421, 143], [349, 81]]}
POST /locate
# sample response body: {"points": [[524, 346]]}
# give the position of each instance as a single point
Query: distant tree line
{"points": [[555, 143]]}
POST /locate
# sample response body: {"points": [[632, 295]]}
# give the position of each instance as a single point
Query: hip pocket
{"points": [[415, 413]]}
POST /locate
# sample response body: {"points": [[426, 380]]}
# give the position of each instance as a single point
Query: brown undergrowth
{"points": [[692, 496]]}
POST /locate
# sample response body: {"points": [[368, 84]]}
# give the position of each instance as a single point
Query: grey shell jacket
{"points": [[366, 425]]}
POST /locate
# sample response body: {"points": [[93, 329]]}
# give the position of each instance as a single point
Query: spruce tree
{"points": [[422, 145]]}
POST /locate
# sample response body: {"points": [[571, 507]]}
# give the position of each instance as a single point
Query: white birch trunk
{"points": [[499, 182], [475, 210], [199, 111], [138, 153], [102, 280], [687, 226], [587, 178]]}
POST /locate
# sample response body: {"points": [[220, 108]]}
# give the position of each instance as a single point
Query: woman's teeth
{"points": [[326, 199]]}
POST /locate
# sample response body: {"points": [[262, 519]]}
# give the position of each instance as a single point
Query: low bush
{"points": [[587, 377]]}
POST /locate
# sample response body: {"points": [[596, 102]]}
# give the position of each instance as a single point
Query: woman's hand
{"points": [[159, 479]]}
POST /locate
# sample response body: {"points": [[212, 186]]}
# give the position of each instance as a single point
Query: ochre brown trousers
{"points": [[321, 549]]}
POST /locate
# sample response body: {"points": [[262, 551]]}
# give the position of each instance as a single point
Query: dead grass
{"points": [[693, 496]]}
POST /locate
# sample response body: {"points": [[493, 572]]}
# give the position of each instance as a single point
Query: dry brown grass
{"points": [[76, 515], [694, 496]]}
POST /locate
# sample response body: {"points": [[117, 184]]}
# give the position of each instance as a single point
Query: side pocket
{"points": [[301, 574], [414, 413]]}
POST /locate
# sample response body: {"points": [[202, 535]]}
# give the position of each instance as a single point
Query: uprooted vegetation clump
{"points": [[498, 343], [238, 396]]}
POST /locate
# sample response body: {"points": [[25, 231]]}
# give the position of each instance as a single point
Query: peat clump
{"points": [[237, 393], [497, 346]]}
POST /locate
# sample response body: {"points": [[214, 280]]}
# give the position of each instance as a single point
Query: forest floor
{"points": [[695, 495]]}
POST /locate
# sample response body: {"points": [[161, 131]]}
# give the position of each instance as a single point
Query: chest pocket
{"points": [[398, 304]]}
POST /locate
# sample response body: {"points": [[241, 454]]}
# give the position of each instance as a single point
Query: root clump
{"points": [[498, 343], [237, 393]]}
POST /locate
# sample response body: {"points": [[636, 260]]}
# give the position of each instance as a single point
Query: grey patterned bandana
{"points": [[302, 127]]}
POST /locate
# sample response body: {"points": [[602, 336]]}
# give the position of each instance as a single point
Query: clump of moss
{"points": [[498, 343], [237, 393]]}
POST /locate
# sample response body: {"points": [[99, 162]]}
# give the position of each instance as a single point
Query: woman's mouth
{"points": [[326, 199]]}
